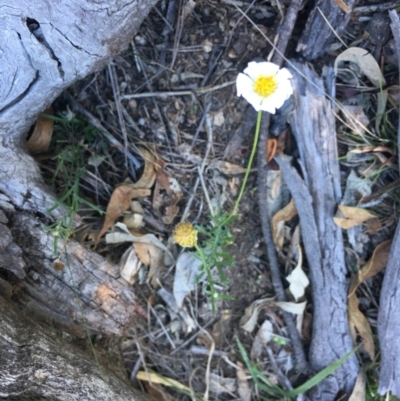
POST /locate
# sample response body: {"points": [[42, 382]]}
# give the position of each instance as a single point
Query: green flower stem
{"points": [[246, 176], [207, 269]]}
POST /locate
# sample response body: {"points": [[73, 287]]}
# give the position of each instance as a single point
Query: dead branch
{"points": [[389, 312], [316, 198], [285, 30]]}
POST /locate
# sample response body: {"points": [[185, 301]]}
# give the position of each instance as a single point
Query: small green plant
{"points": [[68, 172], [273, 391], [265, 87]]}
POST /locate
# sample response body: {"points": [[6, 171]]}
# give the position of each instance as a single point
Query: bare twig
{"points": [[376, 8], [200, 91], [285, 30], [77, 107]]}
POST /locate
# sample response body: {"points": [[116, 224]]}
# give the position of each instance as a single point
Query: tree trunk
{"points": [[44, 48], [36, 364]]}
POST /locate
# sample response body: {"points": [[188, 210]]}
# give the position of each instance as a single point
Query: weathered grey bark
{"points": [[389, 312], [325, 20], [36, 364], [316, 198], [45, 46]]}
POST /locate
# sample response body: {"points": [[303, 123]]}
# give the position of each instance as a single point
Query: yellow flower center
{"points": [[264, 86], [185, 235]]}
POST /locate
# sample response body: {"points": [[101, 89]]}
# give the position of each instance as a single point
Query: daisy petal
{"points": [[283, 74], [243, 83], [254, 70]]}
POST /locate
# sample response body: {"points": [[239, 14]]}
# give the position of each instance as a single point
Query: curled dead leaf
{"points": [[120, 202], [365, 61], [148, 177], [43, 132], [278, 222], [357, 320], [349, 216]]}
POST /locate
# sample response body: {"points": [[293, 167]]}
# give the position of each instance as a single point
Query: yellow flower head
{"points": [[264, 85], [185, 235]]}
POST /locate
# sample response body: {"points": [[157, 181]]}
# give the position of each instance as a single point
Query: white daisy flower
{"points": [[264, 85]]}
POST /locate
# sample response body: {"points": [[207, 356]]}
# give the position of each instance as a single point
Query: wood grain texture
{"points": [[316, 197], [325, 22], [45, 46], [389, 312], [37, 364]]}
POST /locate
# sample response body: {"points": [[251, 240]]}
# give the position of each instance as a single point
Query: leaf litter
{"points": [[141, 213]]}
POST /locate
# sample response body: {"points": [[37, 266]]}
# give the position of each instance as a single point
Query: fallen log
{"points": [[316, 196], [37, 364], [44, 48]]}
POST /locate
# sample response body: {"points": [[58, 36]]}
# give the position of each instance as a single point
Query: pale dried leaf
{"points": [[349, 216], [218, 118], [278, 222], [359, 390], [165, 381], [298, 279], [126, 236], [249, 319], [119, 203], [219, 384], [365, 61], [169, 299], [264, 335], [355, 118], [129, 265], [295, 308], [152, 256], [243, 387], [186, 272], [226, 167]]}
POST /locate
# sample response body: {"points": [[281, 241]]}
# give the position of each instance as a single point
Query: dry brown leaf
{"points": [[349, 216], [272, 146], [357, 320], [278, 222], [40, 139], [149, 175], [243, 387], [152, 256], [343, 5], [171, 186], [119, 203], [158, 379], [226, 167], [375, 264]]}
